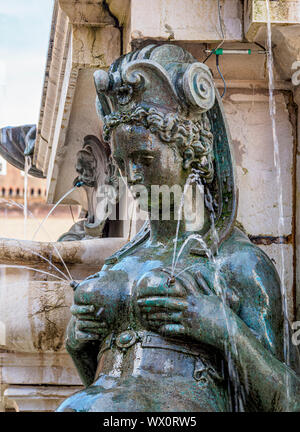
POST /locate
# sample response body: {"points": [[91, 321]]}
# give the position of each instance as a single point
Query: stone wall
{"points": [[250, 125], [86, 35]]}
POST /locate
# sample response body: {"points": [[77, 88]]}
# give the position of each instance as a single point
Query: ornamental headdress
{"points": [[167, 90]]}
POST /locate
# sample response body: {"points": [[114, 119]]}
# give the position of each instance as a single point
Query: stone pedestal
{"points": [[36, 381], [36, 398], [36, 373]]}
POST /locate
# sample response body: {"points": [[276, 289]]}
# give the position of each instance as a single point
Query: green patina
{"points": [[190, 320]]}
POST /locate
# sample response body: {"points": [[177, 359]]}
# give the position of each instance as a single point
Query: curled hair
{"points": [[192, 137]]}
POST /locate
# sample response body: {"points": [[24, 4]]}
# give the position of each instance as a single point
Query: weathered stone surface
{"points": [[250, 127], [19, 368], [82, 121], [120, 9], [169, 20], [297, 216], [286, 49], [76, 49], [94, 46], [42, 309], [87, 12], [281, 13], [87, 252], [37, 398]]}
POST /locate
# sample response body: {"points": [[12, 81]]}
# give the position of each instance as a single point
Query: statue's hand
{"points": [[88, 325], [177, 310], [95, 309]]}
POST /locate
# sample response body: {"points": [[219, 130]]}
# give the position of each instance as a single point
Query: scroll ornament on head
{"points": [[147, 82], [169, 102]]}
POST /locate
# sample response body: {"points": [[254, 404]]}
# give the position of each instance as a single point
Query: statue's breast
{"points": [[110, 291]]}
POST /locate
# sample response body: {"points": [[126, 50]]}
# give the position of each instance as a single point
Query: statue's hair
{"points": [[86, 152], [193, 138], [169, 92]]}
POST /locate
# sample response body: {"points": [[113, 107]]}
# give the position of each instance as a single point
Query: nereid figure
{"points": [[207, 336]]}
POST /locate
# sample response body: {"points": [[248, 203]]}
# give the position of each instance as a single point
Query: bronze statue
{"points": [[205, 334], [17, 142], [95, 170]]}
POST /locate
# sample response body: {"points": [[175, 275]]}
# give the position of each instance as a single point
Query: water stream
{"points": [[195, 178], [26, 170], [189, 181], [32, 269], [236, 390], [11, 203], [272, 109], [52, 210], [50, 263], [14, 203]]}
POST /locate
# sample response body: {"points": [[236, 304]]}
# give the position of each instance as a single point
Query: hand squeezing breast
{"points": [[95, 309], [177, 307]]}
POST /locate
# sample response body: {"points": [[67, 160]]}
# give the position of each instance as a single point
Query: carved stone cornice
{"points": [[87, 12], [282, 13], [177, 20], [83, 38]]}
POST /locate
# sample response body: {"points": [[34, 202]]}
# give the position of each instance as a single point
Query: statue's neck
{"points": [[195, 219]]}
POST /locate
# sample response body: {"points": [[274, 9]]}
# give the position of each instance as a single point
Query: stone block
{"points": [[38, 398], [259, 190], [285, 12], [38, 369], [95, 46], [87, 12], [298, 237], [191, 20]]}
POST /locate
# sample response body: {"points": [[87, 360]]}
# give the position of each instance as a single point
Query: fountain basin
{"points": [[41, 301], [34, 313]]}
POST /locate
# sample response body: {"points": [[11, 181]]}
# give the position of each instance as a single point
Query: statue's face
{"points": [[86, 169], [145, 160]]}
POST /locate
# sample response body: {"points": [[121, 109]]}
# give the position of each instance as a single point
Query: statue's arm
{"points": [[259, 335], [97, 309], [83, 349], [271, 383], [85, 334]]}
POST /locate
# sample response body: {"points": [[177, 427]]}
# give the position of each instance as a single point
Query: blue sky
{"points": [[24, 36]]}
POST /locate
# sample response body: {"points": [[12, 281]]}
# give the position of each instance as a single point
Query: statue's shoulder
{"points": [[252, 276], [249, 270], [239, 253]]}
